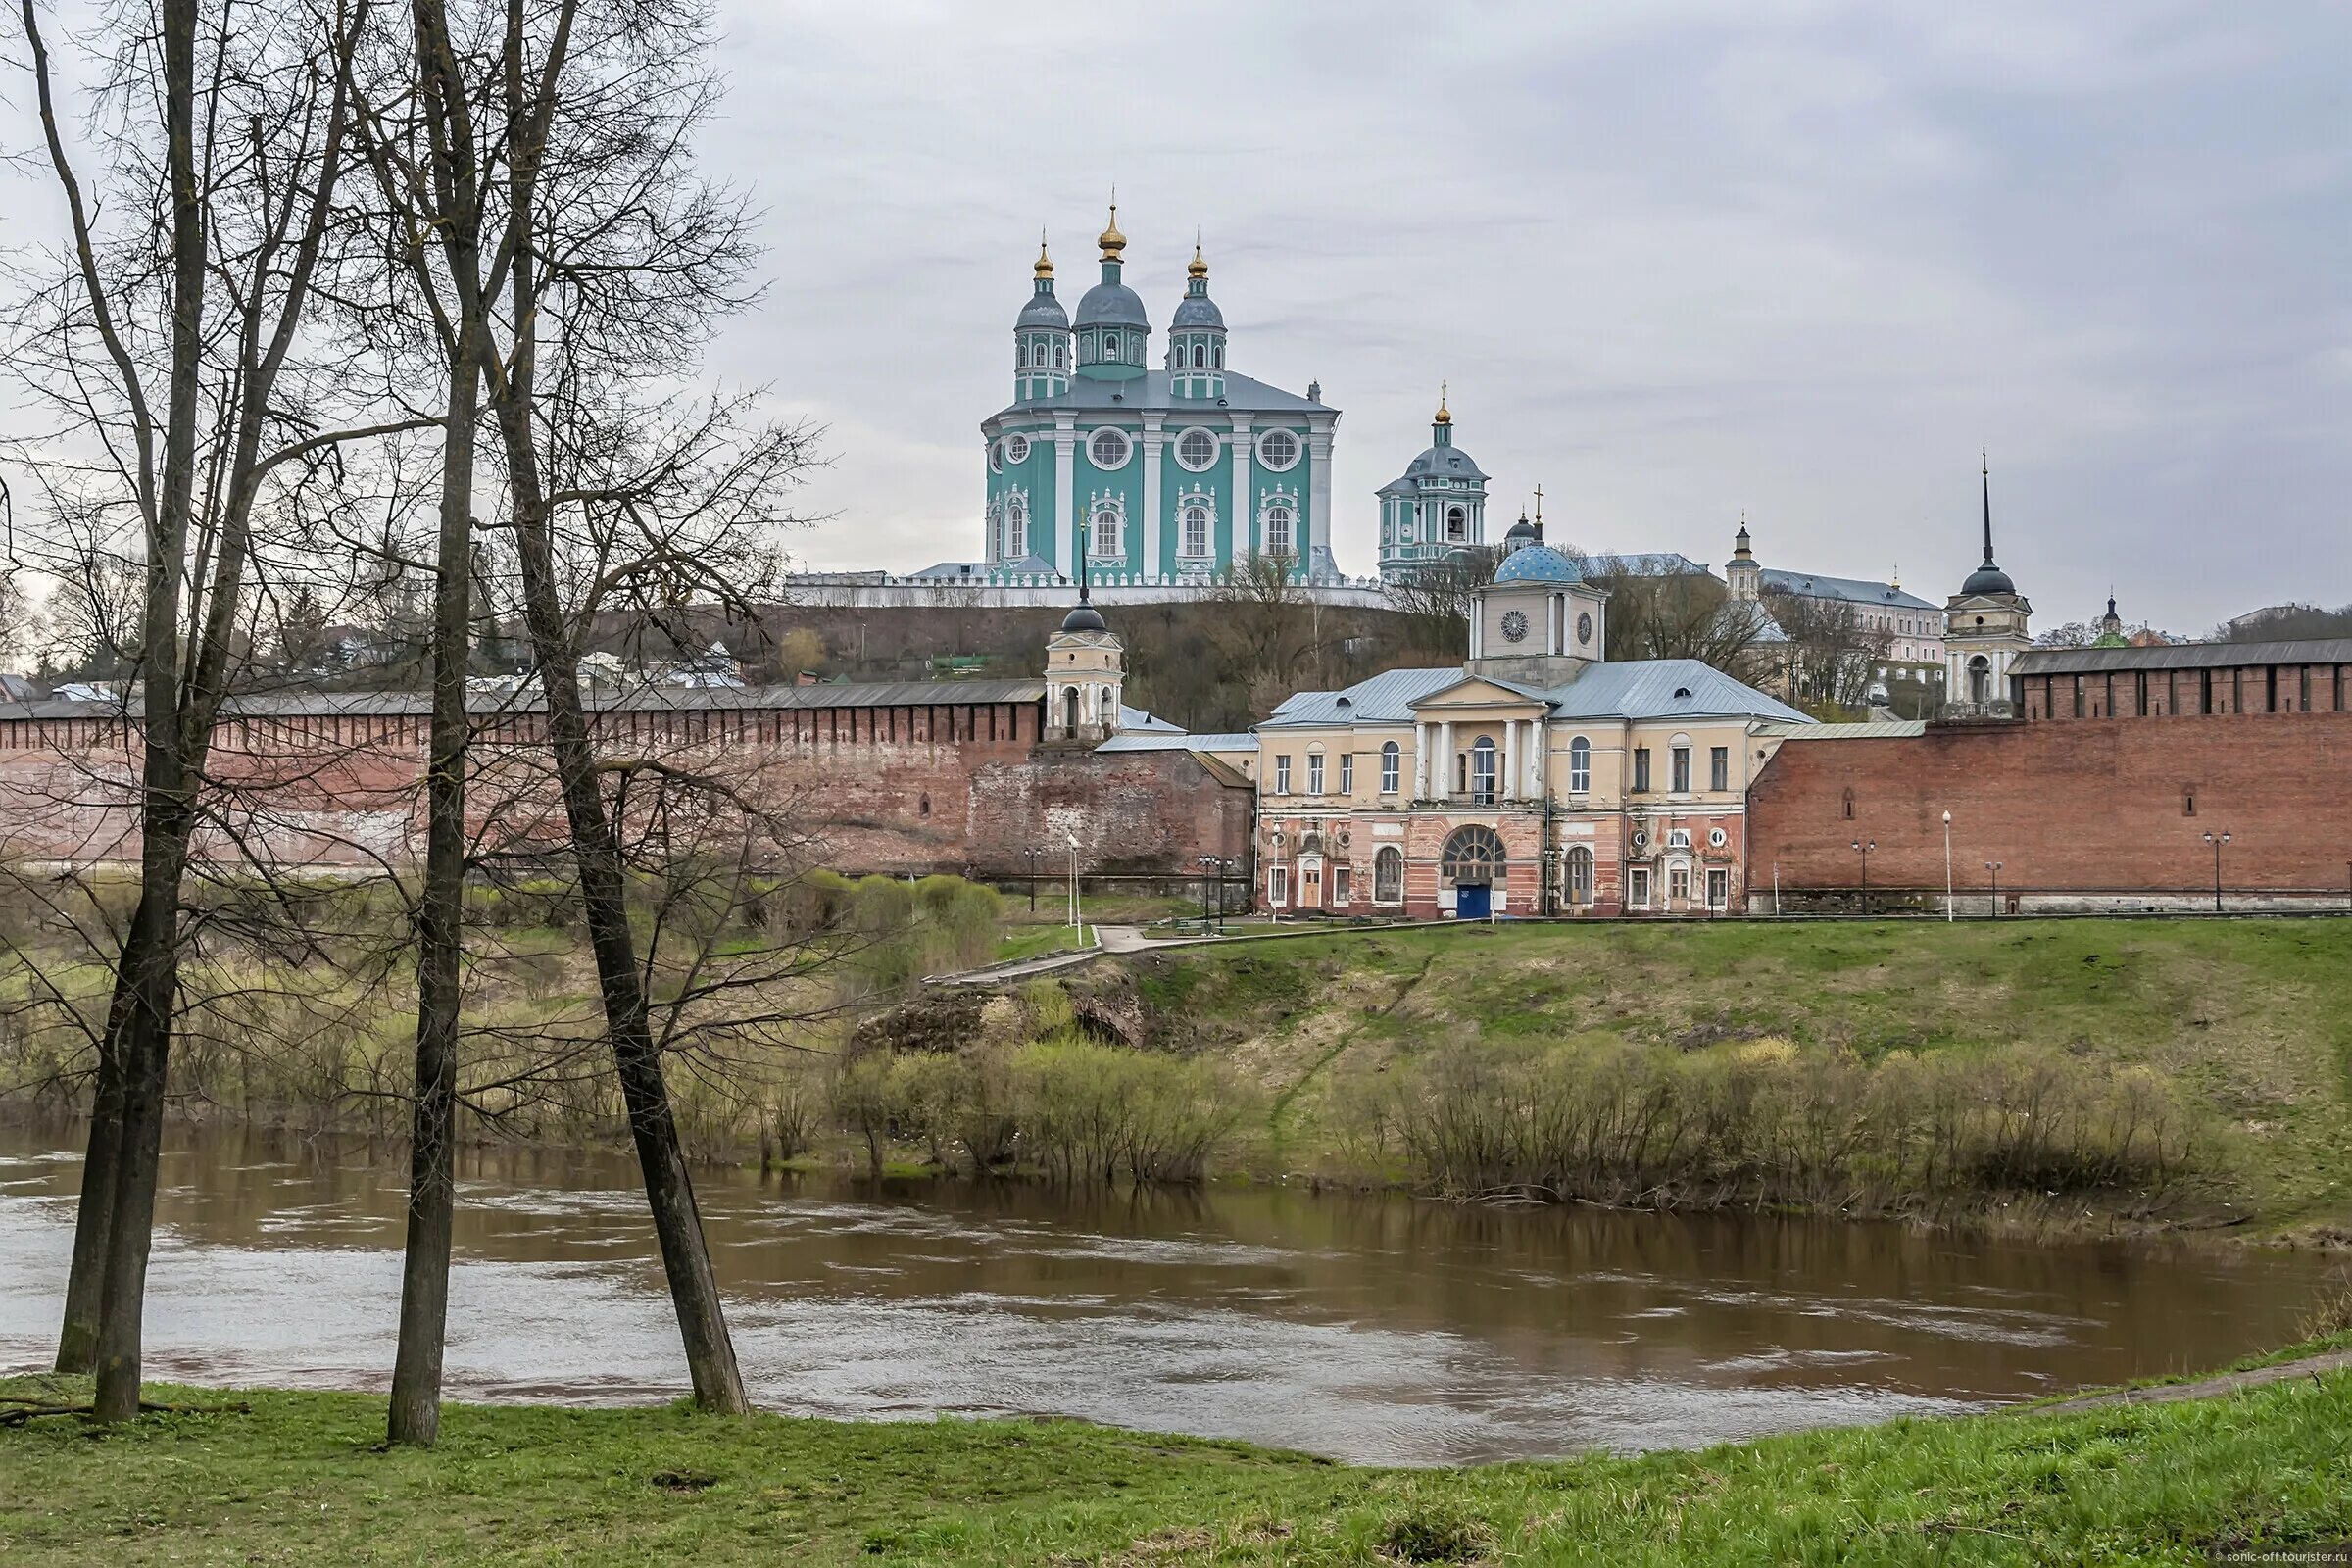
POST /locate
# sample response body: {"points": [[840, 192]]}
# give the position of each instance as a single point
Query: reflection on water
{"points": [[1378, 1329]]}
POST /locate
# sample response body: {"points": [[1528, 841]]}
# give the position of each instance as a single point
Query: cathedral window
{"points": [[1061, 354], [1216, 356], [1278, 531], [1278, 450], [1200, 356], [1387, 875], [1197, 449], [1107, 532], [1457, 524], [1017, 447], [1016, 529], [1108, 448], [1196, 531], [996, 457]]}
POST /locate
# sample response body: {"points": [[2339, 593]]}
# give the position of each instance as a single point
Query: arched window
{"points": [[1199, 355], [1979, 679], [1196, 531], [1579, 766], [1217, 354], [1457, 524], [1580, 875], [1062, 353], [1481, 770], [1016, 529], [1392, 767], [1387, 875], [1107, 532], [1278, 530], [1069, 712], [1473, 858]]}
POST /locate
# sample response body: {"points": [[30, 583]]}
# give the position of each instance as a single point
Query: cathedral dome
{"points": [[1988, 579], [1198, 310], [1043, 310], [1086, 617], [1109, 304], [1537, 563]]}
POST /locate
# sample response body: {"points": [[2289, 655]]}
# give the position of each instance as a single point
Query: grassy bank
{"points": [[297, 1479], [2193, 1071]]}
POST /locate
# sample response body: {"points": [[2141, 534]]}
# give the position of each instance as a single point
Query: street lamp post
{"points": [[1863, 847], [1995, 867], [1948, 868], [1035, 855], [1076, 913], [2217, 841], [1208, 864]]}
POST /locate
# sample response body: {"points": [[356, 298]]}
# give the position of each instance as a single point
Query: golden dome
{"points": [[1044, 262], [1443, 417], [1112, 241], [1197, 268]]}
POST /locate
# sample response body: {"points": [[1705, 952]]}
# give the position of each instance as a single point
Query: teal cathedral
{"points": [[1167, 474]]}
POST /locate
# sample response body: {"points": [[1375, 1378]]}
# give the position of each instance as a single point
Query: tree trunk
{"points": [[415, 1407], [85, 1276], [668, 1185], [167, 813]]}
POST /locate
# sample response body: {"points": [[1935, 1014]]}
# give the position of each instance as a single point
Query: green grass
{"points": [[2251, 1019], [299, 1479], [1035, 942]]}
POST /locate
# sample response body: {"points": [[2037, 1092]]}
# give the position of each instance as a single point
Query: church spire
{"points": [[1985, 464]]}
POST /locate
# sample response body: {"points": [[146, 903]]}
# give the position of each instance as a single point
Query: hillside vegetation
{"points": [[2190, 1071]]}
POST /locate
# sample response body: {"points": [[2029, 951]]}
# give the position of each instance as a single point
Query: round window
{"points": [[1278, 450], [1583, 629], [1514, 625], [1016, 448], [1197, 449], [1640, 839], [1718, 837], [1108, 448], [996, 457]]}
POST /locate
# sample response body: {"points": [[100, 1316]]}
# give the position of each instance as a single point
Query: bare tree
{"points": [[1436, 599], [1269, 628], [232, 148], [1831, 655]]}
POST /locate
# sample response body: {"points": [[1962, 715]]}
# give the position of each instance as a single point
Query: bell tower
{"points": [[1085, 667], [1983, 632]]}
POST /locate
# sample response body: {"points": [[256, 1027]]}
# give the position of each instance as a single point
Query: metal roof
{"points": [[1155, 389], [2181, 656], [1164, 741], [1874, 730], [663, 699], [1855, 590], [1387, 698]]}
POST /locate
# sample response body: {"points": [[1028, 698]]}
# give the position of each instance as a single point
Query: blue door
{"points": [[1471, 904]]}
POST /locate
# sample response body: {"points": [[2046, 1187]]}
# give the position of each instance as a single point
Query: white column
{"points": [[1510, 759], [1244, 504], [1538, 759], [1420, 761], [1153, 440], [1445, 780], [1066, 493], [1317, 526]]}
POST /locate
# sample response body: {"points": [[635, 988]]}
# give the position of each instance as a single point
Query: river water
{"points": [[1375, 1329]]}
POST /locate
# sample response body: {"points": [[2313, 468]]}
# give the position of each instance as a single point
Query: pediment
{"points": [[1477, 692]]}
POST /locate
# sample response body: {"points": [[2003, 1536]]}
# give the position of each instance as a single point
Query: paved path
{"points": [[2204, 1387]]}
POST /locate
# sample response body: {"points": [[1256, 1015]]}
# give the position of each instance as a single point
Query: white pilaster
{"points": [[1420, 761], [1317, 530], [1509, 781], [1244, 504], [1153, 440], [1065, 491], [1444, 759]]}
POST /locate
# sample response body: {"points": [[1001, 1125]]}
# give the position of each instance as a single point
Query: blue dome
{"points": [[1537, 563], [1113, 305], [1043, 310], [1198, 310]]}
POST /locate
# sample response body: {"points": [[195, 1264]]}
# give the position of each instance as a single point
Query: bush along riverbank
{"points": [[2075, 1075], [276, 1477]]}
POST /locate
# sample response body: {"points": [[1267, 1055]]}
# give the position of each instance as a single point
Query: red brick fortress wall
{"points": [[2091, 813]]}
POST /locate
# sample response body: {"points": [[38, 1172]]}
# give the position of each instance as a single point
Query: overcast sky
{"points": [[1674, 260]]}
